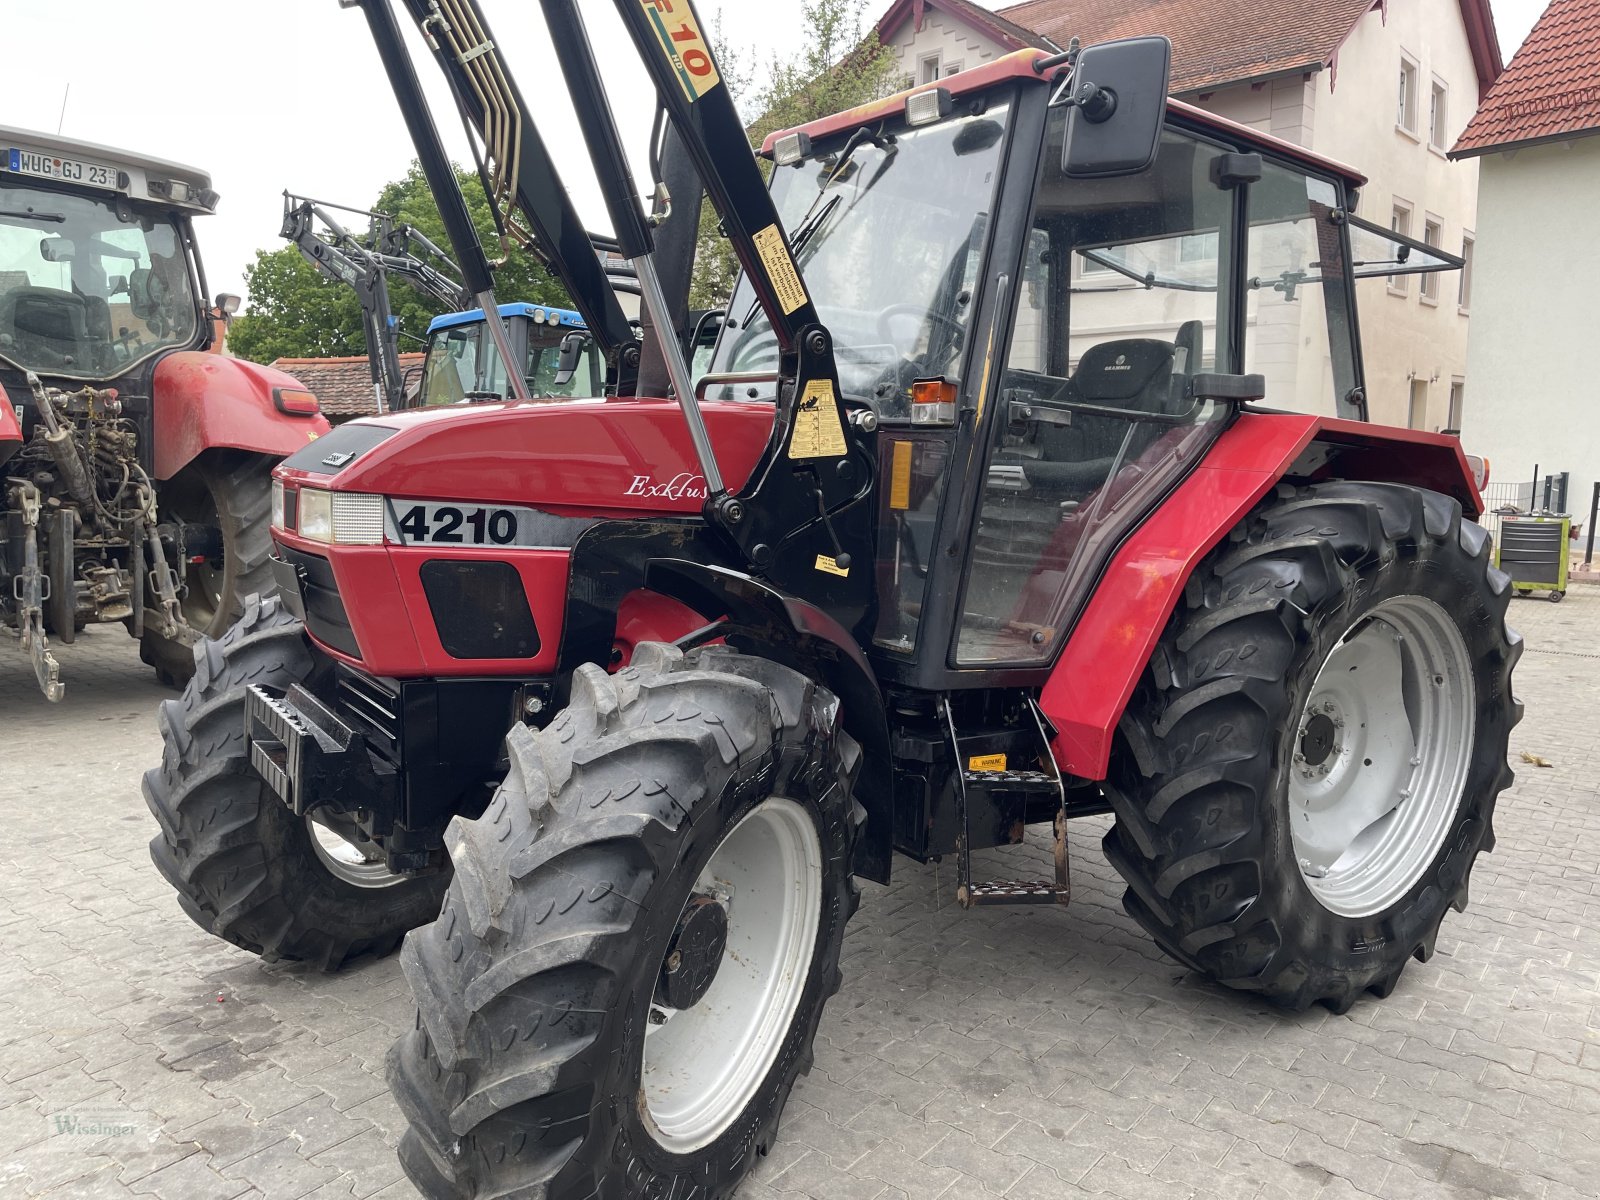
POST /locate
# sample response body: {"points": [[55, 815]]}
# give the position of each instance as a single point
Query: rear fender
{"points": [[207, 401], [1110, 646], [764, 621]]}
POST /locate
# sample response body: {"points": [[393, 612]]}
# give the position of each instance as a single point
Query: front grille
{"points": [[326, 619], [480, 609]]}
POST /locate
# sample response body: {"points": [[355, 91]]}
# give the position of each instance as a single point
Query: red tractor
{"points": [[982, 520], [135, 457]]}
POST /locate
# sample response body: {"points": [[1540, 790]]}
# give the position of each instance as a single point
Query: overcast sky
{"points": [[275, 94]]}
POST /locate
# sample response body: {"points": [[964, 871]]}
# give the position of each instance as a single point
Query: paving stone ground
{"points": [[1022, 1053]]}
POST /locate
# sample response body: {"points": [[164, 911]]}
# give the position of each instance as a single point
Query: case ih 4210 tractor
{"points": [[1031, 482], [135, 460]]}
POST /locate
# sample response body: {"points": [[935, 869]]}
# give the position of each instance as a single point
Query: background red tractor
{"points": [[135, 458], [982, 520]]}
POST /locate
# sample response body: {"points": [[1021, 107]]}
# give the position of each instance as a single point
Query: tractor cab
{"points": [[463, 364]]}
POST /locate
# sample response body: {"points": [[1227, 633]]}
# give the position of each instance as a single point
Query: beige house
{"points": [[1385, 86], [1536, 145]]}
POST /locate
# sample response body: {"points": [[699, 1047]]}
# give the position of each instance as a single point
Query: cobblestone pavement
{"points": [[1026, 1053]]}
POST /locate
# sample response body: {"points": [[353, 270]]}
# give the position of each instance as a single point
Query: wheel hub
{"points": [[697, 945], [1318, 739]]}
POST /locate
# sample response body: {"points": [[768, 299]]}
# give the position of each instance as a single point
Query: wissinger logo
{"points": [[684, 486]]}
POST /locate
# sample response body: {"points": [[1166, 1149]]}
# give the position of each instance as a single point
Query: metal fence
{"points": [[1501, 498]]}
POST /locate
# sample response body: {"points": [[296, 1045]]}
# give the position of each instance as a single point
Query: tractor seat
{"points": [[1134, 374], [57, 320]]}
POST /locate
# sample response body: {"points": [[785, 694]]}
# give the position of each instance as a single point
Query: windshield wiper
{"points": [[29, 215]]}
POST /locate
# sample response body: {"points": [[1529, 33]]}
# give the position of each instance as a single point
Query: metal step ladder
{"points": [[1026, 784]]}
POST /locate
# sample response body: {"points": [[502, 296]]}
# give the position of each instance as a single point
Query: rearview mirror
{"points": [[1118, 103], [572, 347], [57, 249]]}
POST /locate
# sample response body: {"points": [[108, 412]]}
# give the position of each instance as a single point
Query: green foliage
{"points": [[295, 312], [840, 64]]}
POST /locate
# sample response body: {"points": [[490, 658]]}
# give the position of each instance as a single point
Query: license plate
{"points": [[72, 170], [471, 525]]}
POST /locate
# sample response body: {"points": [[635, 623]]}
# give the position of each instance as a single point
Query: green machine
{"points": [[1532, 549]]}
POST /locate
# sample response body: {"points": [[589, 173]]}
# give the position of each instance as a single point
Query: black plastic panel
{"points": [[326, 618], [479, 609]]}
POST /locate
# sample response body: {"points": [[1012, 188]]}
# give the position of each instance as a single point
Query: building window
{"points": [[1406, 116], [1464, 294], [1092, 266], [1432, 235], [928, 69], [1417, 416], [1439, 116], [952, 68], [1400, 222], [1458, 395]]}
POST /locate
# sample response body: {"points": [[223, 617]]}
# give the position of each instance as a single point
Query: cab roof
{"points": [[1021, 64], [539, 314], [138, 176]]}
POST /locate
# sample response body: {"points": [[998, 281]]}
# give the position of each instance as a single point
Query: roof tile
{"points": [[1550, 90], [343, 386]]}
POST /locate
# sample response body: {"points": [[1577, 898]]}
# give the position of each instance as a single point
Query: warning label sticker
{"points": [[818, 432], [780, 268], [831, 566], [987, 762], [684, 45]]}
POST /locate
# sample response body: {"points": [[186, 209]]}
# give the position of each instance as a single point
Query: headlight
{"points": [[341, 518], [277, 504]]}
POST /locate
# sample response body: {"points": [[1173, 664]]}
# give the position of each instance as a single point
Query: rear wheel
{"points": [[244, 866], [230, 492], [629, 969], [1310, 766]]}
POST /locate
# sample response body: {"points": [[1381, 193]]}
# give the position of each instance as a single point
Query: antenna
{"points": [[62, 120]]}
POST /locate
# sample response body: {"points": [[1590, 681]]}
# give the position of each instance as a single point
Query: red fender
{"points": [[1109, 648], [10, 430], [205, 401]]}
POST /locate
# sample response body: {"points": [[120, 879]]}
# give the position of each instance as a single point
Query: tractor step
{"points": [[1009, 891], [1012, 781]]}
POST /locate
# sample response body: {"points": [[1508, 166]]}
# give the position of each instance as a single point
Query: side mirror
{"points": [[57, 249], [572, 348], [1118, 105]]}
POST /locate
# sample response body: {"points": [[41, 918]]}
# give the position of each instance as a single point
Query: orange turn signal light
{"points": [[933, 402], [297, 402]]}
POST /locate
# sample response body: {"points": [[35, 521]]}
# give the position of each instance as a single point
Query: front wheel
{"points": [[1310, 767], [629, 969]]}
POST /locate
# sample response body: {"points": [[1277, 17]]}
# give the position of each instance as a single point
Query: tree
{"points": [[295, 312], [841, 64]]}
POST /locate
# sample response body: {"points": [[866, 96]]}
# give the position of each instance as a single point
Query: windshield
{"points": [[462, 362], [889, 243], [86, 291]]}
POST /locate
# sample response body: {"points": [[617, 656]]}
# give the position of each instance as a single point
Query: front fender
{"points": [[1110, 646], [207, 401], [765, 621], [10, 430]]}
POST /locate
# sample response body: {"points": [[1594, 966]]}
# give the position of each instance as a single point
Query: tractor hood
{"points": [[573, 457]]}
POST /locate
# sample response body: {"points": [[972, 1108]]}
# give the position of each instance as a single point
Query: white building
{"points": [[1533, 290], [1385, 86]]}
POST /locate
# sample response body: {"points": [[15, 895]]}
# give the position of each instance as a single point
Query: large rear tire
{"points": [[230, 491], [629, 969], [244, 866], [1309, 768]]}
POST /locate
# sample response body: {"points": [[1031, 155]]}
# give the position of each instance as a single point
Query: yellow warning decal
{"points": [[900, 477], [828, 565], [818, 432], [987, 762], [678, 31], [780, 268]]}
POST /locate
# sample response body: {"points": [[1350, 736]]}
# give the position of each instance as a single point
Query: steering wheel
{"points": [[944, 321]]}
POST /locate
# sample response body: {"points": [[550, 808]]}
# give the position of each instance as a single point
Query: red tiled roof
{"points": [[1215, 42], [343, 386], [1550, 90]]}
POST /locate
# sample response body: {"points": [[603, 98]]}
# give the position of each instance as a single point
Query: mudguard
{"points": [[1111, 644], [762, 620], [207, 401], [10, 430]]}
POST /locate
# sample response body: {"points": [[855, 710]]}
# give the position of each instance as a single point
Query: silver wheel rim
{"points": [[703, 1064], [352, 858], [1381, 753]]}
